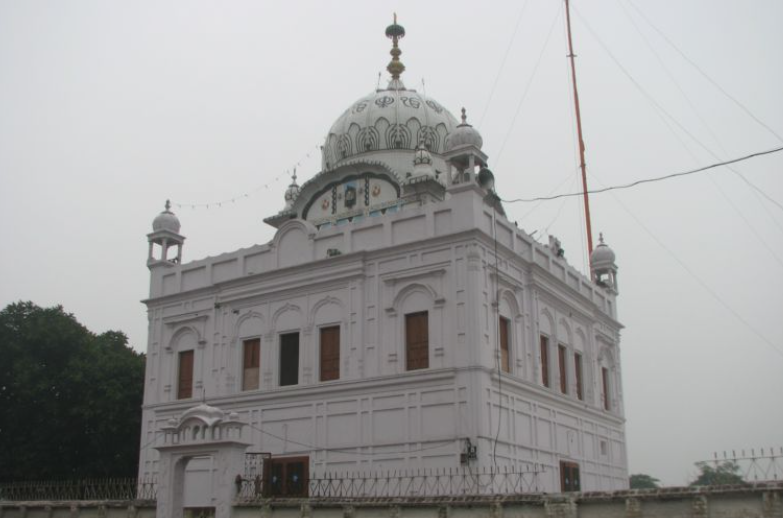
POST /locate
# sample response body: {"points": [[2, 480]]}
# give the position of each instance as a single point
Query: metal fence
{"points": [[753, 464], [91, 489], [402, 483]]}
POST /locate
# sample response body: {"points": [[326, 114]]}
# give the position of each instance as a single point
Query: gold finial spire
{"points": [[395, 32]]}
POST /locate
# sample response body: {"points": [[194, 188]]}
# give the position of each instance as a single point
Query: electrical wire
{"points": [[503, 63], [648, 180], [352, 451], [720, 190], [703, 122], [698, 279], [527, 87], [650, 98], [704, 74]]}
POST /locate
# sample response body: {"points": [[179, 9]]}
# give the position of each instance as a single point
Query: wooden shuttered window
{"points": [[185, 377], [330, 353], [505, 362], [561, 362], [544, 361], [578, 376], [417, 345], [289, 359], [605, 385], [251, 363]]}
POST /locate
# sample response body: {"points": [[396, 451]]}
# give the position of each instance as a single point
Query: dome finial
{"points": [[292, 192], [601, 237], [464, 116], [168, 205], [395, 32]]}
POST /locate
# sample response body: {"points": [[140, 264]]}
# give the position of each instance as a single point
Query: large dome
{"points": [[392, 118]]}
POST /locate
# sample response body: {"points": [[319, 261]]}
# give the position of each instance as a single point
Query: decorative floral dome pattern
{"points": [[394, 118]]}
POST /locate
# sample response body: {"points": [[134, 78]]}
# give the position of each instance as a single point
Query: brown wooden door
{"points": [[569, 477], [330, 353], [417, 347], [288, 477]]}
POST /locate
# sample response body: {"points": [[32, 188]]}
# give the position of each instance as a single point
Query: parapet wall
{"points": [[760, 500]]}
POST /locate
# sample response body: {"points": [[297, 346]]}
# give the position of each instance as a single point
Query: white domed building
{"points": [[396, 320]]}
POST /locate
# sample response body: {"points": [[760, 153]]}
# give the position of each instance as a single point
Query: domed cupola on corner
{"points": [[165, 235], [390, 118], [603, 267], [464, 135]]}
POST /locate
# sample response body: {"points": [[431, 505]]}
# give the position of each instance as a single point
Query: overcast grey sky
{"points": [[109, 108]]}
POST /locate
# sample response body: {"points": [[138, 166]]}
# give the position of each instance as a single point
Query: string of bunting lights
{"points": [[239, 197]]}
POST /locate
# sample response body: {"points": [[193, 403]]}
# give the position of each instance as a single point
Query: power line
{"points": [[695, 110], [650, 180], [352, 451], [701, 119], [704, 74], [503, 63], [698, 279], [527, 86]]}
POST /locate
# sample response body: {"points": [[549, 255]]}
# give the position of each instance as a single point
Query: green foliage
{"points": [[642, 481], [70, 399], [721, 473]]}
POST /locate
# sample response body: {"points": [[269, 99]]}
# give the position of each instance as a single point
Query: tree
{"points": [[726, 472], [642, 481], [70, 399]]}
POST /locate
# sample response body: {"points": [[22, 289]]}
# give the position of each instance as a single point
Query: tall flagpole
{"points": [[582, 164]]}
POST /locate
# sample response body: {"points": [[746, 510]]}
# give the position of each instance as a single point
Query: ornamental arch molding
{"points": [[606, 356], [249, 325], [508, 300], [580, 341], [546, 322], [409, 290], [178, 341], [279, 315], [323, 304], [293, 242], [564, 334]]}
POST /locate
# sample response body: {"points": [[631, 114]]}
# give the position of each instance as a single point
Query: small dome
{"points": [[166, 220], [602, 255], [464, 135], [208, 414], [422, 156]]}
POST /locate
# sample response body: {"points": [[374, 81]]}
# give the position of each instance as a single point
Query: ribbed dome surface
{"points": [[393, 118]]}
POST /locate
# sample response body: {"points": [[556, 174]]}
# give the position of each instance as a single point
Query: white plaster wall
{"points": [[425, 258]]}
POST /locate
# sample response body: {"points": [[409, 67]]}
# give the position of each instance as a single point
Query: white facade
{"points": [[395, 225]]}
